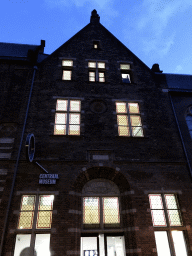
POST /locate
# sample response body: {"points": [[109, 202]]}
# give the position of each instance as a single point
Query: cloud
{"points": [[154, 22]]}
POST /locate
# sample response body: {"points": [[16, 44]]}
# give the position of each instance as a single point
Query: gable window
{"points": [[35, 220], [125, 73], [95, 44], [96, 71], [67, 117], [166, 218], [128, 119], [67, 66]]}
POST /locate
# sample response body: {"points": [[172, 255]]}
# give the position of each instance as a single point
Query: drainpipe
{"points": [[17, 162], [183, 144]]}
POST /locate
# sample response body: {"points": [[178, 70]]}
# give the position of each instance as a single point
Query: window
{"points": [[67, 117], [67, 66], [125, 73], [35, 216], [96, 71], [101, 211], [189, 120], [128, 119], [166, 219], [95, 44]]}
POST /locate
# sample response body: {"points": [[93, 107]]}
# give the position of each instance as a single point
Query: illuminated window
{"points": [[95, 44], [67, 117], [166, 218], [35, 216], [129, 119], [67, 66], [125, 73], [96, 71], [101, 211]]}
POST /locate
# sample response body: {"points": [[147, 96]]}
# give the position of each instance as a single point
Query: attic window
{"points": [[125, 73], [67, 66], [95, 44]]}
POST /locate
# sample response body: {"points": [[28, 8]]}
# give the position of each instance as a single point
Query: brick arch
{"points": [[106, 173]]}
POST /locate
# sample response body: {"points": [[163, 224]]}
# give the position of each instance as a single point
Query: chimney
{"points": [[156, 69], [94, 17]]}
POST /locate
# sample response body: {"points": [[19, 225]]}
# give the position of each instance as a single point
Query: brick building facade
{"points": [[109, 175]]}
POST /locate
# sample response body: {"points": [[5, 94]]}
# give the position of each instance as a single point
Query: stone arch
{"points": [[104, 173]]}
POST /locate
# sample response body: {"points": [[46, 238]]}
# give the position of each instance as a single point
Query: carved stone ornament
{"points": [[100, 186]]}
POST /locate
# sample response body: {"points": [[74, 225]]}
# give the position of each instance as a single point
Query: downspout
{"points": [[183, 144], [17, 162]]}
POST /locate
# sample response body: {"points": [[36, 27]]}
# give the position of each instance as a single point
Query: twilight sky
{"points": [[157, 31]]}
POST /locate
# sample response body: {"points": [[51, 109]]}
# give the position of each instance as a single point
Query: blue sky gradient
{"points": [[157, 31]]}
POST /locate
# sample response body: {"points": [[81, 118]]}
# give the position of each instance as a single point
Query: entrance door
{"points": [[103, 245]]}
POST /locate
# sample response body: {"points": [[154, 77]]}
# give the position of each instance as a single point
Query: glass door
{"points": [[115, 245], [103, 245], [89, 246]]}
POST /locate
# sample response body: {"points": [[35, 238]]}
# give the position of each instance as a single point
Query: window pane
{"points": [[179, 243], [133, 108], [115, 246], [135, 120], [162, 243], [89, 246], [60, 129], [75, 105], [155, 201], [125, 76], [66, 75], [123, 131], [74, 129], [68, 63], [91, 64], [91, 210], [74, 118], [44, 219], [101, 65], [61, 105], [171, 201], [111, 210], [22, 245], [42, 244], [125, 66], [92, 76], [174, 218], [137, 132], [121, 107], [46, 202], [28, 203], [26, 220], [101, 77], [158, 217], [122, 120], [60, 118]]}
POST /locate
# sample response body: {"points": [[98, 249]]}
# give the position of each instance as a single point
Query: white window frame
{"points": [[68, 112], [168, 228], [34, 231], [129, 119], [67, 68], [98, 71]]}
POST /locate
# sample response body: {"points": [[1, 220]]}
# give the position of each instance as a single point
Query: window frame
{"points": [[101, 225], [127, 72], [67, 112], [129, 115], [67, 68], [98, 71], [168, 228], [34, 231]]}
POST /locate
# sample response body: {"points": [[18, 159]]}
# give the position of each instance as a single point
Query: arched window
{"points": [[101, 212], [189, 120]]}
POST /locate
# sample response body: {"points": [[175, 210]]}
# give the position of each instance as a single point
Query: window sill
{"points": [[75, 137]]}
